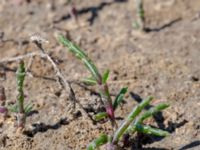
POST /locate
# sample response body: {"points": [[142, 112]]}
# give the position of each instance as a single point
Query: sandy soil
{"points": [[163, 63]]}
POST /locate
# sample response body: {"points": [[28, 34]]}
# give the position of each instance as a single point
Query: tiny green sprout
{"points": [[19, 108], [21, 116], [4, 109], [140, 23]]}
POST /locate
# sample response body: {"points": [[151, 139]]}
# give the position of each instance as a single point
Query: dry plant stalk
{"points": [[61, 79]]}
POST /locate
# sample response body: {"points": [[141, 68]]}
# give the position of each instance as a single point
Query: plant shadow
{"points": [[94, 10], [153, 148], [32, 112], [190, 145], [167, 25], [42, 127]]}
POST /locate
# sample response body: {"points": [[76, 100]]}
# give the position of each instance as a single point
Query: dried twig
{"points": [[21, 57], [63, 82]]}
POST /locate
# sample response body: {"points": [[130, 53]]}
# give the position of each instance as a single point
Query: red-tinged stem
{"points": [[105, 95]]}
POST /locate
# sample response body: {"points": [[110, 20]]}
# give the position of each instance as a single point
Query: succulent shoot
{"points": [[21, 115], [96, 78]]}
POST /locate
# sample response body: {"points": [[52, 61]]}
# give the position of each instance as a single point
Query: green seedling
{"points": [[19, 107], [140, 22], [96, 78], [21, 115], [134, 122]]}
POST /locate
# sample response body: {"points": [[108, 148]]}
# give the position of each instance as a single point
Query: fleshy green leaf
{"points": [[105, 76], [13, 108], [151, 112], [119, 97], [89, 81], [81, 55], [28, 108], [100, 116], [91, 67], [72, 47], [150, 130], [101, 140]]}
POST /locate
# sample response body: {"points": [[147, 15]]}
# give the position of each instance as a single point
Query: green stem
{"points": [[20, 97], [107, 100]]}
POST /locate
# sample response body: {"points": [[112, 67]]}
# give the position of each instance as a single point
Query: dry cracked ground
{"points": [[163, 62]]}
